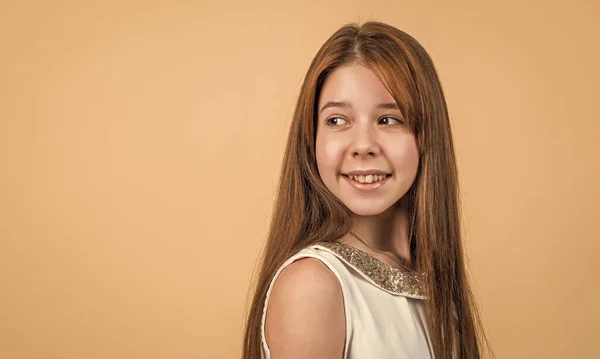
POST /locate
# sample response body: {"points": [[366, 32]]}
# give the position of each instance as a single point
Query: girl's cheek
{"points": [[329, 148], [411, 155], [333, 147]]}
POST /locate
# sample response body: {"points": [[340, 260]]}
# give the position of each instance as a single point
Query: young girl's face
{"points": [[366, 155]]}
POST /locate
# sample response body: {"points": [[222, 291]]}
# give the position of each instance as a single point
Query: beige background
{"points": [[140, 145]]}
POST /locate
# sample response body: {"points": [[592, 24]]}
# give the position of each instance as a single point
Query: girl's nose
{"points": [[364, 142]]}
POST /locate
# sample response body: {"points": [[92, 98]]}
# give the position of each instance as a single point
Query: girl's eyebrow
{"points": [[344, 104]]}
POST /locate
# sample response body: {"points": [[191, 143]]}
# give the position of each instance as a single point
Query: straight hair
{"points": [[306, 212]]}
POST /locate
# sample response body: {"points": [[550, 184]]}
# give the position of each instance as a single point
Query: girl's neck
{"points": [[386, 232]]}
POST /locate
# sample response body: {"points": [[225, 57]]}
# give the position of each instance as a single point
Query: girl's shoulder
{"points": [[349, 263], [303, 289], [314, 262], [324, 255]]}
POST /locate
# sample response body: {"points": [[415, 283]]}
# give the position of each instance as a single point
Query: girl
{"points": [[364, 256]]}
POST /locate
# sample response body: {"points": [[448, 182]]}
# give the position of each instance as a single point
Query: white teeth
{"points": [[368, 178]]}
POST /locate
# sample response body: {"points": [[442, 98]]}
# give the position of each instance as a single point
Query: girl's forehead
{"points": [[356, 85]]}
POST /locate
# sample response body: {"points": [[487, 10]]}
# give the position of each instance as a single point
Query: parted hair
{"points": [[306, 212]]}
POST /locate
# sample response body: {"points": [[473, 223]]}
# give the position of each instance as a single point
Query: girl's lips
{"points": [[366, 187], [366, 172]]}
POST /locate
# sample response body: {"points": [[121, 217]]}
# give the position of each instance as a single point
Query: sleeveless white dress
{"points": [[384, 308]]}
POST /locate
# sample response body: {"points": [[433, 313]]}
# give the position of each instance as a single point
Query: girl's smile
{"points": [[366, 180]]}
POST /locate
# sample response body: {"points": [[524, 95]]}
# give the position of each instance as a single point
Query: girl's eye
{"points": [[390, 121], [336, 121]]}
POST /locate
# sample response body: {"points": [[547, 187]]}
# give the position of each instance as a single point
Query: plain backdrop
{"points": [[140, 146]]}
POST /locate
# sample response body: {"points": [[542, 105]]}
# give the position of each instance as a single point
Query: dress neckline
{"points": [[379, 273]]}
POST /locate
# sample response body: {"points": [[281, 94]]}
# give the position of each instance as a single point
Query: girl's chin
{"points": [[365, 211]]}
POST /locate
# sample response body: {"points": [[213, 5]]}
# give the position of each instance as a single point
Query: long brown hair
{"points": [[306, 212]]}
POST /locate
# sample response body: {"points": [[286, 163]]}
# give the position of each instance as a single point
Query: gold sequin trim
{"points": [[387, 277]]}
